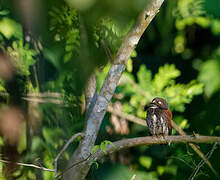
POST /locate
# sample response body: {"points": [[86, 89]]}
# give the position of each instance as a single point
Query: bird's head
{"points": [[158, 103]]}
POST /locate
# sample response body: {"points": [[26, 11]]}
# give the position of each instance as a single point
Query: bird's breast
{"points": [[157, 122]]}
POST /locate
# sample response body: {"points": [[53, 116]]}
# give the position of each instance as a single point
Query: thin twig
{"points": [[202, 162], [28, 165], [63, 149], [129, 117], [47, 97], [75, 164], [42, 94], [46, 94], [173, 157]]}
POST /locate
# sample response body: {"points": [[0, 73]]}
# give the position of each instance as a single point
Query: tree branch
{"points": [[149, 140], [100, 107], [128, 117], [28, 165], [142, 122]]}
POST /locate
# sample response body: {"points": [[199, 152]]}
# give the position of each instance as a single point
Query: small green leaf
{"points": [[95, 149], [164, 76], [209, 74], [145, 161], [9, 28]]}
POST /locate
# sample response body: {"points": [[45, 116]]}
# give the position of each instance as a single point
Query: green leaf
{"points": [[145, 161], [106, 142], [67, 57], [22, 57], [36, 144], [2, 88], [165, 76], [171, 169], [129, 65], [4, 12], [95, 149], [144, 78], [209, 74], [51, 134], [9, 28], [22, 142]]}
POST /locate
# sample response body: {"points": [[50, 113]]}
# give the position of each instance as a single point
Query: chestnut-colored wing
{"points": [[170, 116]]}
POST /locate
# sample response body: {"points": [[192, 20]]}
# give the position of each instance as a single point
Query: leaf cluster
{"points": [[64, 23], [163, 84]]}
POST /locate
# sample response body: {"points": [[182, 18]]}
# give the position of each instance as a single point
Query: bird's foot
{"points": [[166, 140]]}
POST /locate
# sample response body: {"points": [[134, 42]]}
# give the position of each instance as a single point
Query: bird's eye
{"points": [[159, 102]]}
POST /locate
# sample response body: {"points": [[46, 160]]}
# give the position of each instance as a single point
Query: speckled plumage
{"points": [[159, 117]]}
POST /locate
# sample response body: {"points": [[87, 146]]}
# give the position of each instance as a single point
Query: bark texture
{"points": [[98, 110], [149, 140]]}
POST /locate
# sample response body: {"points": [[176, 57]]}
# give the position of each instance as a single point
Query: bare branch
{"points": [[39, 94], [63, 149], [41, 100], [45, 94], [129, 117], [28, 165], [46, 97], [149, 140]]}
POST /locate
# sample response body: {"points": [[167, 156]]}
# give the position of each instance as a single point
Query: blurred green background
{"points": [[50, 48]]}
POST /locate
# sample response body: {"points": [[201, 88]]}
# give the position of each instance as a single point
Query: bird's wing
{"points": [[170, 116]]}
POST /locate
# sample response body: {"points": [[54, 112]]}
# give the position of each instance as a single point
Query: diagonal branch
{"points": [[101, 104]]}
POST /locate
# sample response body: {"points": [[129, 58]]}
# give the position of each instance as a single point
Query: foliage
{"points": [[109, 35], [64, 24], [212, 80], [177, 58], [22, 57], [102, 146], [162, 85], [2, 89], [9, 28]]}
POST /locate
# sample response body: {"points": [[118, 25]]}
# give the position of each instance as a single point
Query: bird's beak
{"points": [[152, 105]]}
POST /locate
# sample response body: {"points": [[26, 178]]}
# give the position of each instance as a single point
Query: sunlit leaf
{"points": [[209, 74], [145, 161], [9, 28]]}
